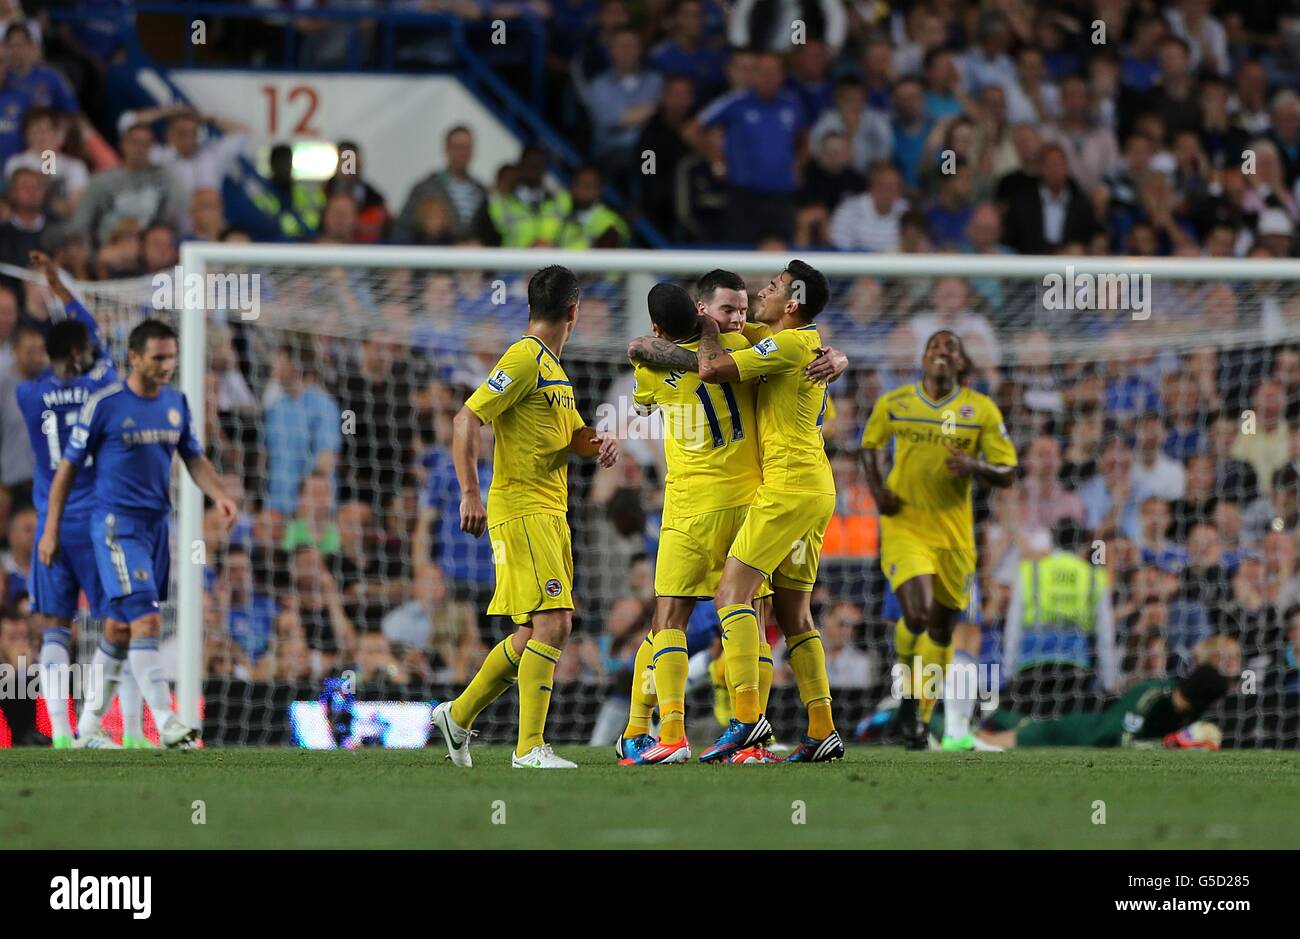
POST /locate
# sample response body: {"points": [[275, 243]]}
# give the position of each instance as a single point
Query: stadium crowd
{"points": [[992, 128]]}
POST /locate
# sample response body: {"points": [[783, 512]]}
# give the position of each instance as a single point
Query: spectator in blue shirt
{"points": [[810, 66], [1141, 66], [44, 86], [13, 105], [687, 51], [620, 102], [911, 126], [466, 560], [250, 616], [765, 132], [944, 96], [302, 430], [946, 219], [1153, 539]]}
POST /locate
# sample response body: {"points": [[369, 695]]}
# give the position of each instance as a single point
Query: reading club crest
{"points": [[966, 411], [174, 417], [553, 588]]}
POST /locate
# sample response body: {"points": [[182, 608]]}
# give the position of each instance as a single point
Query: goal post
{"points": [[349, 292]]}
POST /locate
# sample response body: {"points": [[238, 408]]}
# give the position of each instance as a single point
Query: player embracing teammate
{"points": [[774, 536]]}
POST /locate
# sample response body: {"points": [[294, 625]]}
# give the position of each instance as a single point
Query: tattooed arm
{"points": [[716, 364], [662, 353]]}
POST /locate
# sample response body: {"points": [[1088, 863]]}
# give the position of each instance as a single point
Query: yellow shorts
{"points": [[782, 536], [693, 551], [903, 557], [533, 556]]}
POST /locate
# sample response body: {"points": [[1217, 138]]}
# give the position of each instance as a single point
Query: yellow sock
{"points": [[905, 647], [494, 677], [740, 648], [643, 690], [722, 707], [764, 675], [807, 660], [932, 654], [671, 664], [536, 671]]}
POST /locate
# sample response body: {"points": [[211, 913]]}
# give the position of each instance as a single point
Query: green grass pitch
{"points": [[876, 798]]}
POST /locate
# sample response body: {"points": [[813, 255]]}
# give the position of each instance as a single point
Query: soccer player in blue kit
{"points": [[50, 403], [131, 429]]}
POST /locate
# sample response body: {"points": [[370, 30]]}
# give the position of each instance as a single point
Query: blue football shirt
{"points": [[132, 440], [50, 407]]}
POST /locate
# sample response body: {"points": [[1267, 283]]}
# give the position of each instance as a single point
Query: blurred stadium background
{"points": [[880, 135]]}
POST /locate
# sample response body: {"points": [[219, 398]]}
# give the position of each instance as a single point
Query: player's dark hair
{"points": [[816, 289], [66, 339], [149, 329], [1205, 685], [672, 310], [551, 292], [715, 280]]}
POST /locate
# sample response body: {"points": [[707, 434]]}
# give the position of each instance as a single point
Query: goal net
{"points": [[1153, 403]]}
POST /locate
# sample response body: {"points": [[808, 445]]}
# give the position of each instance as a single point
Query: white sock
{"points": [[55, 675], [958, 707], [107, 662], [131, 702], [147, 668]]}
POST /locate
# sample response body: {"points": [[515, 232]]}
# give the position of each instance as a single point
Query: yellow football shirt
{"points": [[791, 410], [710, 435], [936, 505], [528, 400]]}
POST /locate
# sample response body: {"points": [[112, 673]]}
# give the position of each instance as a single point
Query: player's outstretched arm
{"points": [[205, 476], [829, 365], [465, 429], [590, 443], [662, 353], [716, 364], [50, 271], [60, 486]]}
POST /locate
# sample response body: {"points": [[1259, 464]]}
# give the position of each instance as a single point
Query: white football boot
{"points": [[175, 735], [456, 737], [541, 757]]}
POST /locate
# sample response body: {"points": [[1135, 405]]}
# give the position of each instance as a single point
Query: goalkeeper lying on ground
{"points": [[1160, 709]]}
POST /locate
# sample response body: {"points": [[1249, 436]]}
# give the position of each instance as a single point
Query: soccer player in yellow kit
{"points": [[943, 436], [781, 535], [529, 401], [712, 453]]}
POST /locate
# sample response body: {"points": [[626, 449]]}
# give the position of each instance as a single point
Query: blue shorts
{"points": [[133, 553], [55, 588]]}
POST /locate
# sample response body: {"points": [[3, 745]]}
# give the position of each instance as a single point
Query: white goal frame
{"points": [[642, 266]]}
